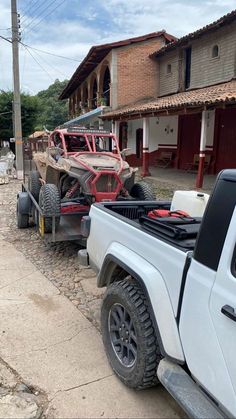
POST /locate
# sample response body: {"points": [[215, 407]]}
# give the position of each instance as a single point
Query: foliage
{"points": [[53, 111], [29, 112], [43, 109]]}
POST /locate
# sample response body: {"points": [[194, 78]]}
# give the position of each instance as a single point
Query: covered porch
{"points": [[166, 181], [195, 127]]}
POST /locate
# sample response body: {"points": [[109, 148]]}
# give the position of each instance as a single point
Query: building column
{"points": [[115, 129], [146, 129], [200, 174]]}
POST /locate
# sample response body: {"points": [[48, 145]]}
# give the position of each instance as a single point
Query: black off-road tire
{"points": [[142, 191], [34, 184], [50, 203], [22, 219], [142, 373]]}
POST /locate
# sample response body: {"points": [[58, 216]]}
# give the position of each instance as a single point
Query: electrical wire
{"points": [[50, 53], [45, 16], [5, 39], [40, 14], [40, 65], [26, 10], [34, 17], [50, 65]]}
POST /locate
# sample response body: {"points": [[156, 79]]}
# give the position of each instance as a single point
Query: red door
{"points": [[225, 139], [188, 139]]}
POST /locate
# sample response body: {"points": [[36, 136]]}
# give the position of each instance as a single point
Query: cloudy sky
{"points": [[70, 27]]}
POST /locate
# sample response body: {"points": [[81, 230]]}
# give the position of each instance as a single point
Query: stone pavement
{"points": [[52, 362]]}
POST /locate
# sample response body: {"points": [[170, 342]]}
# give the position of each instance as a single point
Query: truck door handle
{"points": [[229, 312]]}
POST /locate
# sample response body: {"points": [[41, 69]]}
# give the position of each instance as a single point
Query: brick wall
{"points": [[137, 74]]}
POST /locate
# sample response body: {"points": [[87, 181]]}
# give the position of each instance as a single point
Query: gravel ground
{"points": [[58, 262]]}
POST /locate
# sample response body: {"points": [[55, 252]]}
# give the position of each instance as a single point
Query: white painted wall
{"points": [[164, 130]]}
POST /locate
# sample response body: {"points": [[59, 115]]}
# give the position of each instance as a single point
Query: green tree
{"points": [[53, 111], [29, 112], [43, 109]]}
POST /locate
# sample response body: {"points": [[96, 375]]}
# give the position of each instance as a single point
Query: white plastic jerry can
{"points": [[192, 202]]}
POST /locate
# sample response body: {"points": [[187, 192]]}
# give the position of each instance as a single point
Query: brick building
{"points": [[194, 111], [114, 75]]}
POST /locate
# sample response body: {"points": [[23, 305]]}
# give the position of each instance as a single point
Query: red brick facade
{"points": [[137, 74]]}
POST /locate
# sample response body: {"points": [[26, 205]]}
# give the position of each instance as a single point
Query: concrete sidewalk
{"points": [[54, 348]]}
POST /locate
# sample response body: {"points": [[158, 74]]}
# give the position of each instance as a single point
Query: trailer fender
{"points": [[24, 203], [120, 261]]}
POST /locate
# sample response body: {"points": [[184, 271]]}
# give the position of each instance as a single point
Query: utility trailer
{"points": [[29, 213]]}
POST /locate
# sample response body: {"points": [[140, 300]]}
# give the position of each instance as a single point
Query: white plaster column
{"points": [[199, 179]]}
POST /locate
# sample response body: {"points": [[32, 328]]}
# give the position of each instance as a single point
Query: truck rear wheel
{"points": [[128, 334], [34, 184], [142, 191], [50, 204]]}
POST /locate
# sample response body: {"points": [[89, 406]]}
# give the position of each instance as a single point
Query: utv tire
{"points": [[50, 204], [22, 219], [128, 334], [34, 184], [142, 191]]}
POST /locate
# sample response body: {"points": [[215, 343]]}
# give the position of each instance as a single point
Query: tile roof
{"points": [[224, 20], [38, 134], [98, 52], [206, 96]]}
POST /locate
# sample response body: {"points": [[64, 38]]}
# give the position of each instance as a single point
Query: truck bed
{"points": [[135, 213], [116, 230]]}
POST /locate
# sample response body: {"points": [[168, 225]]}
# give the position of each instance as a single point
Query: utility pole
{"points": [[16, 82]]}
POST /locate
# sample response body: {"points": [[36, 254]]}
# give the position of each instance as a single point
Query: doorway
{"points": [[188, 139], [225, 139], [139, 144]]}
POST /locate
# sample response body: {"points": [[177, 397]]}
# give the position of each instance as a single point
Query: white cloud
{"points": [[101, 21]]}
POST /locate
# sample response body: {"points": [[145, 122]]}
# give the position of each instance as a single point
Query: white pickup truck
{"points": [[169, 311]]}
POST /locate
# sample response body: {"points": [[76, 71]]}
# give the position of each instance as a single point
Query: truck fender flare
{"points": [[23, 203], [120, 261]]}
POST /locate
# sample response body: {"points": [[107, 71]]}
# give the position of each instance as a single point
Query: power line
{"points": [[5, 39], [51, 66], [37, 8], [50, 53], [40, 64], [45, 16], [37, 16], [26, 10], [33, 18]]}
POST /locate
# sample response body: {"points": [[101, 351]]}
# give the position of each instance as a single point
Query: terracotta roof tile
{"points": [[211, 95], [98, 52]]}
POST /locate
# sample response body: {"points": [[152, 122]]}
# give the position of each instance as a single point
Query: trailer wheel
{"points": [[50, 204], [142, 191], [34, 184], [128, 334], [22, 219]]}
